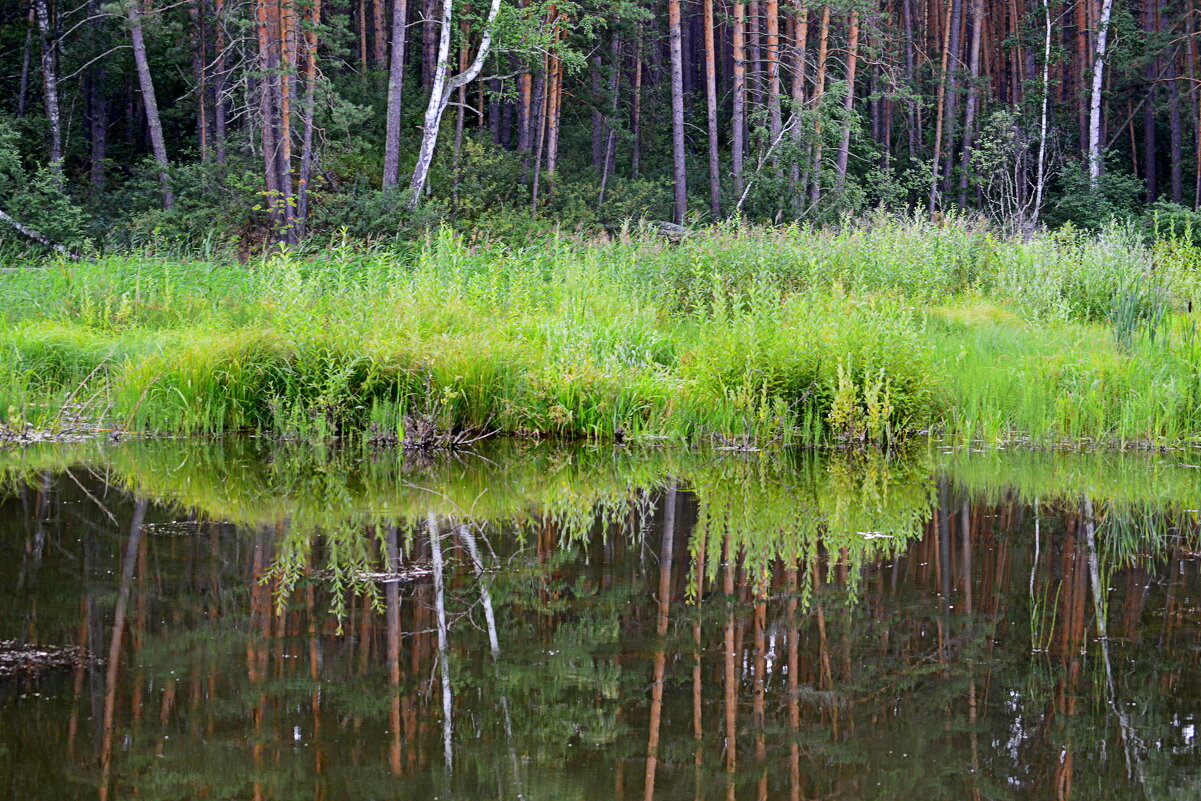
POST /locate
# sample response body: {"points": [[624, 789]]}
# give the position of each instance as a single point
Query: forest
{"points": [[244, 124]]}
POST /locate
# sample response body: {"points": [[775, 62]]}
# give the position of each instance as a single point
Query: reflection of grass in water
{"points": [[801, 510]]}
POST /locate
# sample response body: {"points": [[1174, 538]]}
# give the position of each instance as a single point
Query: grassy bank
{"points": [[795, 336]]}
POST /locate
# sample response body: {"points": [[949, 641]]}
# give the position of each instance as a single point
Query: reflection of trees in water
{"points": [[805, 632]]}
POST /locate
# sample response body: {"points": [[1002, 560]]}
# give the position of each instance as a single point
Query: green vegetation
{"points": [[743, 337]]}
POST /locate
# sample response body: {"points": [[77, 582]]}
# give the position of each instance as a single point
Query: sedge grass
{"points": [[794, 336]]}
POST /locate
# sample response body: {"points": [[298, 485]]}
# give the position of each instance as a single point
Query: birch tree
{"points": [[442, 90], [1094, 106]]}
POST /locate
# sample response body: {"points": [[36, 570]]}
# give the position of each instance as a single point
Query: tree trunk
{"points": [[541, 93], [973, 98], [819, 89], [219, 107], [1195, 100], [1175, 134], [97, 127], [32, 233], [379, 31], [396, 71], [50, 87], [951, 116], [200, 72], [939, 114], [94, 89], [754, 54], [150, 104], [26, 57], [844, 147], [1094, 117], [1150, 156], [598, 118], [910, 65], [711, 113], [636, 110], [677, 113], [1040, 179], [738, 118], [615, 60], [442, 90], [771, 24], [800, 34], [310, 102]]}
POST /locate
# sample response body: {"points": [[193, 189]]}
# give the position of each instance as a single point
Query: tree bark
{"points": [[910, 66], [771, 24], [1094, 117], [939, 113], [50, 87], [310, 102], [442, 90], [973, 98], [819, 89], [800, 36], [711, 113], [380, 32], [146, 83], [1040, 179], [396, 70], [26, 58], [738, 117], [677, 114], [32, 233], [1151, 72], [636, 110], [844, 147], [219, 106]]}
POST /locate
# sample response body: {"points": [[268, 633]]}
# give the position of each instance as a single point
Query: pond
{"points": [[541, 621]]}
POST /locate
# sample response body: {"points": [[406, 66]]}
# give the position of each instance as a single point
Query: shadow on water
{"points": [[544, 622]]}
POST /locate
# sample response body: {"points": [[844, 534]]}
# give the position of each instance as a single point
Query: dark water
{"points": [[600, 624]]}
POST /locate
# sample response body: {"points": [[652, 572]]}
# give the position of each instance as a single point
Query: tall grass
{"points": [[867, 333]]}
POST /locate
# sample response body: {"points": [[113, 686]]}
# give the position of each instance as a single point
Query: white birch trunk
{"points": [[442, 90], [1040, 179], [1094, 113]]}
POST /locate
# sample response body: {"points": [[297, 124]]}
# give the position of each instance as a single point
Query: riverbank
{"points": [[746, 338]]}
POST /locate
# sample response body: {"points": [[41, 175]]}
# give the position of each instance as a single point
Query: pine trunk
{"points": [[396, 70], [973, 98], [310, 103], [819, 89], [677, 113], [711, 112], [738, 118], [844, 146]]}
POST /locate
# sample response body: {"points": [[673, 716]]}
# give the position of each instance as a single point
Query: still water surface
{"points": [[541, 622]]}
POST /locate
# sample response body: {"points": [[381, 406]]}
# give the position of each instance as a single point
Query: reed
{"points": [[866, 333]]}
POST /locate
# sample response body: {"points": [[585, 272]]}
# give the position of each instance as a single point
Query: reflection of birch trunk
{"points": [[485, 596], [665, 554], [493, 639], [1130, 741], [114, 650], [443, 656]]}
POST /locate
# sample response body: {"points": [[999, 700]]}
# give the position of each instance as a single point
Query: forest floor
{"points": [[746, 338]]}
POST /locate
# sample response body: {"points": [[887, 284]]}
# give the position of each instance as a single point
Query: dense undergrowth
{"points": [[748, 337]]}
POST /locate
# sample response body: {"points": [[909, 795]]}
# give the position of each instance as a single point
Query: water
{"points": [[613, 624]]}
